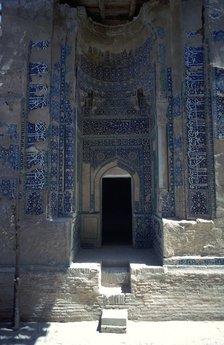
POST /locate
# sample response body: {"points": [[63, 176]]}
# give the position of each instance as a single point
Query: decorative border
{"points": [[218, 261], [34, 159], [62, 141], [196, 132], [134, 153]]}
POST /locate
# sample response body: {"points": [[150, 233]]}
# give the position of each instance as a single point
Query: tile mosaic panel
{"points": [[178, 164], [196, 262], [34, 204], [119, 85], [38, 98], [219, 103], [36, 179], [36, 102], [38, 68], [37, 87], [168, 197], [143, 231], [134, 156], [8, 130], [34, 160], [36, 132], [40, 44], [62, 142], [196, 131], [9, 159], [10, 156], [111, 127], [176, 106], [8, 188]]}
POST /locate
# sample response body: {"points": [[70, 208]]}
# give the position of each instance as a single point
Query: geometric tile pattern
{"points": [[116, 97], [34, 204], [143, 235], [118, 126], [118, 84], [178, 166], [8, 188], [10, 156], [133, 155]]}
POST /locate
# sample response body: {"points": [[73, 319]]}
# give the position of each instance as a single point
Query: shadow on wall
{"points": [[25, 335]]}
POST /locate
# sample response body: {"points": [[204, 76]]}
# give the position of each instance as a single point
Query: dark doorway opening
{"points": [[116, 210]]}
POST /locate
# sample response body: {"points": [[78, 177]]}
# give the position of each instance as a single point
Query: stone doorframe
{"points": [[91, 234], [115, 169]]}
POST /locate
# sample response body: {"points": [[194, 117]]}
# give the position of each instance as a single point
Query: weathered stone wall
{"points": [[29, 176], [73, 294], [184, 238]]}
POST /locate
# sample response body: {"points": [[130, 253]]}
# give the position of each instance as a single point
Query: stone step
{"points": [[113, 329], [114, 321], [116, 276]]}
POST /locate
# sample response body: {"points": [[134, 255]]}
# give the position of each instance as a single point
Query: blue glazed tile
{"points": [[40, 44], [36, 179], [36, 132], [196, 131], [36, 158], [10, 156], [8, 188], [38, 68], [218, 36], [34, 204]]}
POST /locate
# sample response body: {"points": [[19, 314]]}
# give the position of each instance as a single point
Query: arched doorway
{"points": [[116, 210]]}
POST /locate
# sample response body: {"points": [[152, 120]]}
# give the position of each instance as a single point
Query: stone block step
{"points": [[114, 321], [113, 329], [114, 276]]}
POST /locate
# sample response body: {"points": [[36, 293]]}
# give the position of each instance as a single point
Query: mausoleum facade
{"points": [[112, 134]]}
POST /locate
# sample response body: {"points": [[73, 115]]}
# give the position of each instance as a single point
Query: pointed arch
{"points": [[117, 168]]}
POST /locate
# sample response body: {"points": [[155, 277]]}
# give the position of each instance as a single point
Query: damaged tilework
{"points": [[219, 102], [196, 132], [62, 134], [35, 157]]}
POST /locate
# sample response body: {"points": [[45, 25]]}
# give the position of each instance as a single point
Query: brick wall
{"points": [[193, 293]]}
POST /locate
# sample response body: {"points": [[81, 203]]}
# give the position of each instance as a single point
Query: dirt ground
{"points": [[138, 333]]}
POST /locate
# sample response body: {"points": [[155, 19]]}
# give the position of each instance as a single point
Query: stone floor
{"points": [[124, 254], [138, 333]]}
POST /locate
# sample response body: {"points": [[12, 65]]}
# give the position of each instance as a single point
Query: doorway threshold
{"points": [[118, 255]]}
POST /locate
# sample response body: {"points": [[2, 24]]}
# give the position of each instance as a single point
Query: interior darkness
{"points": [[116, 211]]}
